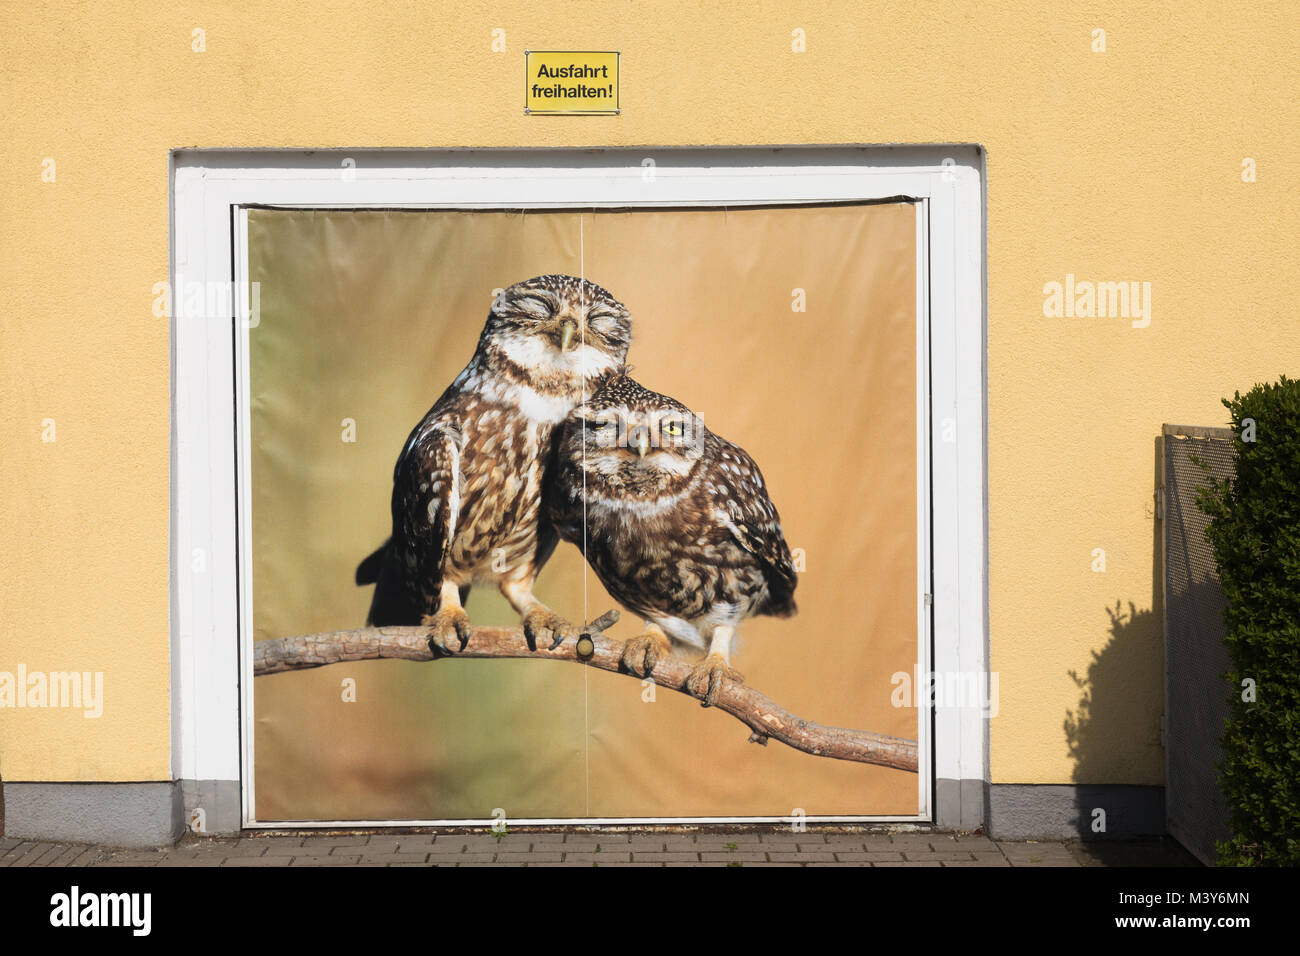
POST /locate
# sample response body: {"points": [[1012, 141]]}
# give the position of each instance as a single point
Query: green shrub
{"points": [[1255, 532]]}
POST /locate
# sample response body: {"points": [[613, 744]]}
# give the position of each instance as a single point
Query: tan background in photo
{"points": [[369, 315]]}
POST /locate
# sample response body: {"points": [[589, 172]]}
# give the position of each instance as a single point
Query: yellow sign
{"points": [[581, 81]]}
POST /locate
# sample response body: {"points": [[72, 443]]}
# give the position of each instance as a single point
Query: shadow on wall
{"points": [[1114, 734], [1117, 723]]}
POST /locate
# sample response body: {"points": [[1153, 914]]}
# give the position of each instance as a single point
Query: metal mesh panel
{"points": [[1196, 694]]}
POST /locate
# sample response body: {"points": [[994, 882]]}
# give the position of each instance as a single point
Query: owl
{"points": [[467, 487], [676, 523]]}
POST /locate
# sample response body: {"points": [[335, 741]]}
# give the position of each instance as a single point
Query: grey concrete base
{"points": [[219, 801], [157, 813], [1019, 811], [113, 814], [959, 804]]}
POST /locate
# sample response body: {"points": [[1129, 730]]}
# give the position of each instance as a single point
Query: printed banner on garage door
{"points": [[703, 418]]}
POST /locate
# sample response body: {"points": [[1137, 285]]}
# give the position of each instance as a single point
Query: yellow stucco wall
{"points": [[1118, 166]]}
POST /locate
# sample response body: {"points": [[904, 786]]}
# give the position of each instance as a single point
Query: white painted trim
{"points": [[212, 681], [959, 494], [924, 516], [243, 322]]}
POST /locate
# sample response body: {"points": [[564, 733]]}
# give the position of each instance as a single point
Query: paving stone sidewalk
{"points": [[604, 848]]}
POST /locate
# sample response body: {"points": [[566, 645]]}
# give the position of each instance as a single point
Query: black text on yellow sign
{"points": [[572, 81]]}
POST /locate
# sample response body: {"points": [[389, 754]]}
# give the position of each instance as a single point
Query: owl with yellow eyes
{"points": [[676, 523]]}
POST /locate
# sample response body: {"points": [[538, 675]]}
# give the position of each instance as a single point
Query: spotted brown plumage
{"points": [[675, 521], [467, 487]]}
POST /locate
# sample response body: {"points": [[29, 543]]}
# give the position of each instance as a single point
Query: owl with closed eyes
{"points": [[467, 487], [676, 523]]}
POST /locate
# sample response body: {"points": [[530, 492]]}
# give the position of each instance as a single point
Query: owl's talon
{"points": [[641, 654], [448, 625], [706, 679], [541, 623]]}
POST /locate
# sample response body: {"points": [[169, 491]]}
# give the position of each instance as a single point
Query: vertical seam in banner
{"points": [[586, 671]]}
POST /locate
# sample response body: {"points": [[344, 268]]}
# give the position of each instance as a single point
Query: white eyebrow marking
{"points": [[534, 303]]}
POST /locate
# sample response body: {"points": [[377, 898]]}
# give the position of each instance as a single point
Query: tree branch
{"points": [[755, 710]]}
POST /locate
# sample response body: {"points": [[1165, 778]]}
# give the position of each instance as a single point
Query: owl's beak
{"points": [[642, 442], [568, 332]]}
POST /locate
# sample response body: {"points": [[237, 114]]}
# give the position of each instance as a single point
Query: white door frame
{"points": [[211, 609]]}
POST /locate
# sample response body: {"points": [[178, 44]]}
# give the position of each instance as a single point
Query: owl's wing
{"points": [[754, 523], [426, 498], [562, 494], [425, 506]]}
